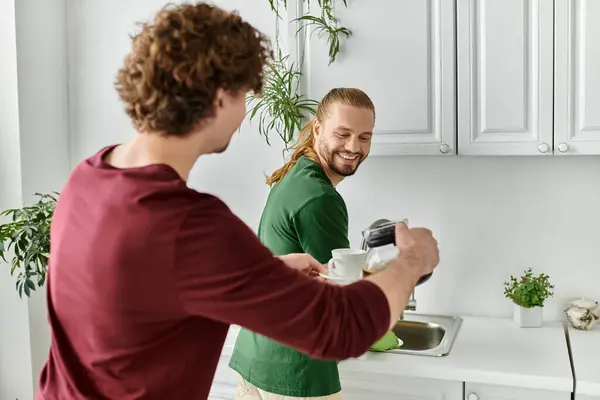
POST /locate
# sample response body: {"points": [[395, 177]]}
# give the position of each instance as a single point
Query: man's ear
{"points": [[219, 98], [316, 127]]}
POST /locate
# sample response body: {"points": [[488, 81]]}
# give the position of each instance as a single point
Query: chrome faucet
{"points": [[412, 302]]}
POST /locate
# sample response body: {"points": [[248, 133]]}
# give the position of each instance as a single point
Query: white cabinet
{"points": [[585, 397], [468, 77], [224, 382], [528, 77], [505, 76], [402, 54], [358, 386], [371, 386], [476, 391], [577, 77], [364, 385]]}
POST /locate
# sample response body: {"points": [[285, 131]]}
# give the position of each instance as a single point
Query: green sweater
{"points": [[304, 214]]}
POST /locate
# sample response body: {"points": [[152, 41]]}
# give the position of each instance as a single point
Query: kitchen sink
{"points": [[426, 334]]}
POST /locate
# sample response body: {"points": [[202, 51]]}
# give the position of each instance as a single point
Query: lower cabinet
{"points": [[357, 386], [364, 386], [224, 382], [476, 391], [586, 397], [221, 396]]}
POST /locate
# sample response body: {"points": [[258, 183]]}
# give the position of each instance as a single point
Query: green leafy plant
{"points": [[280, 107], [529, 290], [28, 236], [275, 6], [326, 24], [322, 3]]}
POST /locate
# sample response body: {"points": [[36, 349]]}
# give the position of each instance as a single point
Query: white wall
{"points": [[34, 157], [492, 216], [44, 133], [97, 117], [15, 354]]}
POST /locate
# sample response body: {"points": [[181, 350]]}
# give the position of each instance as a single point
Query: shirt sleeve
{"points": [[321, 226], [223, 272]]}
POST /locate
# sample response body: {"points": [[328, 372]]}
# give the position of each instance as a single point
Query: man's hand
{"points": [[419, 255], [303, 262], [420, 245]]}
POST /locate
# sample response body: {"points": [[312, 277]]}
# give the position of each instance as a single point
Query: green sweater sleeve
{"points": [[321, 226]]}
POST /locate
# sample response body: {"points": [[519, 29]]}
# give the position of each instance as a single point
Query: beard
{"points": [[335, 162]]}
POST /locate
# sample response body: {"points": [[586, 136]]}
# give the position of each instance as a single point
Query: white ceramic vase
{"points": [[528, 317]]}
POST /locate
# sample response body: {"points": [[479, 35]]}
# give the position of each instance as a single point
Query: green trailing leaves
{"points": [[322, 3], [27, 236], [280, 108], [529, 290], [326, 25], [275, 6]]}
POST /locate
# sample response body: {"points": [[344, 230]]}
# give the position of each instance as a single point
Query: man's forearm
{"points": [[397, 281]]}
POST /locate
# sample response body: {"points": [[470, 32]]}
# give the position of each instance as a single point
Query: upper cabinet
{"points": [[469, 77], [577, 77], [505, 71], [402, 54]]}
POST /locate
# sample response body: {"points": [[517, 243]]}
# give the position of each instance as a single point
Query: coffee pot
{"points": [[379, 240]]}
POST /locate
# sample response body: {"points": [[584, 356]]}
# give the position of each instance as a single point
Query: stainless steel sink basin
{"points": [[426, 334]]}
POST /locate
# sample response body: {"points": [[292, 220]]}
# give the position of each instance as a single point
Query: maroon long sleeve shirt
{"points": [[146, 275]]}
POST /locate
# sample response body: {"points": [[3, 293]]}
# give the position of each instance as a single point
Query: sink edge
{"points": [[445, 346]]}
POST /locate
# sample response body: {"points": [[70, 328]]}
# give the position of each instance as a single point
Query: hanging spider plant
{"points": [[326, 24], [281, 108], [275, 6], [322, 3]]}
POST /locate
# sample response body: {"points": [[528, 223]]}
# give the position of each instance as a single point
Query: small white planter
{"points": [[528, 317]]}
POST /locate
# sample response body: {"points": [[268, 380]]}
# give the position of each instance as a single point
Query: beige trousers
{"points": [[247, 391]]}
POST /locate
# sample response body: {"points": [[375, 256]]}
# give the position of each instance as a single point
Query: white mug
{"points": [[347, 263]]}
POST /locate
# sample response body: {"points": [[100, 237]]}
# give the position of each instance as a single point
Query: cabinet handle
{"points": [[563, 147], [472, 396], [543, 147], [444, 148]]}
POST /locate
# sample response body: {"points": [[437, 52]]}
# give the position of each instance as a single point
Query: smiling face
{"points": [[343, 139]]}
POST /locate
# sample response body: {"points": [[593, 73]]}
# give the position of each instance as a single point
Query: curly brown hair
{"points": [[178, 62]]}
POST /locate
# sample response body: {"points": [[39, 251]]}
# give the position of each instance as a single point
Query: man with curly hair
{"points": [[146, 274]]}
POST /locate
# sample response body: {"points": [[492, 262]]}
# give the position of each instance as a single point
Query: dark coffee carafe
{"points": [[380, 242]]}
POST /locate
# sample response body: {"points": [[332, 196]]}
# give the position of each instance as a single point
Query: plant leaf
{"points": [[280, 108], [28, 237]]}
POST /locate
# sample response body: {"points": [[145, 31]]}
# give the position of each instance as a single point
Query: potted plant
{"points": [[27, 237], [528, 293]]}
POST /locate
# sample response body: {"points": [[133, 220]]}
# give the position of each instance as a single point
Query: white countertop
{"points": [[488, 351], [585, 347]]}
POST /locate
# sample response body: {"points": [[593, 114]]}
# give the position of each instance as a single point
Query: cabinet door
{"points": [[577, 85], [402, 54], [224, 382], [357, 386], [217, 396], [476, 391], [505, 77]]}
